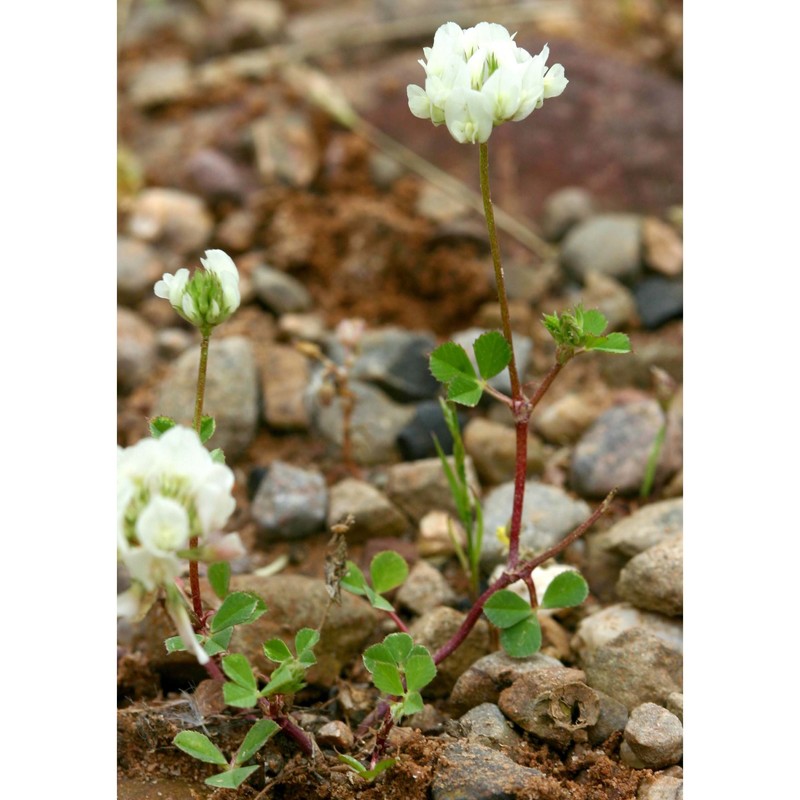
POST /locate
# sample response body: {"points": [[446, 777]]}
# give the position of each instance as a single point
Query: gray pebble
{"points": [[375, 423], [564, 420], [138, 269], [658, 301], [418, 487], [612, 717], [374, 514], [636, 667], [609, 622], [175, 219], [231, 395], [607, 243], [613, 452], [216, 176], [661, 787], [655, 736], [472, 771], [486, 724], [493, 448], [675, 704], [278, 291], [424, 589], [136, 349], [290, 503], [634, 368], [563, 210], [653, 580], [548, 515]]}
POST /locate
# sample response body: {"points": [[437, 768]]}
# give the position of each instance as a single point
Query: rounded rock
{"points": [[607, 243], [563, 210], [655, 736], [136, 349], [138, 269], [170, 217], [653, 580]]}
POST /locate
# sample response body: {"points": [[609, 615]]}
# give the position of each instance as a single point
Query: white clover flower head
{"points": [[210, 296], [169, 490], [478, 78]]}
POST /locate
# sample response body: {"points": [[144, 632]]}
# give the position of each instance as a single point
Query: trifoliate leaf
{"points": [[492, 352], [466, 391], [386, 677]]}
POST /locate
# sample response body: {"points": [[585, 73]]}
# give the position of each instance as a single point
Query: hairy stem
{"points": [[512, 576], [273, 709], [194, 573], [516, 391]]}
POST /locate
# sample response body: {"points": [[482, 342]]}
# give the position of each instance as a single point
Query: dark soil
{"points": [[361, 251]]}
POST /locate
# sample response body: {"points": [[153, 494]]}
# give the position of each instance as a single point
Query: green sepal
{"points": [[232, 778], [207, 428], [566, 590], [217, 456], [160, 425], [199, 746]]}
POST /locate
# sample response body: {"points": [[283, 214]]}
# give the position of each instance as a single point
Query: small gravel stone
{"points": [[285, 148], [655, 736], [416, 441], [526, 284], [523, 349], [138, 269], [290, 503], [472, 771], [433, 536], [563, 210], [335, 734], [436, 628], [612, 717], [172, 342], [397, 361], [493, 448], [174, 219], [653, 580], [375, 423], [616, 301], [607, 243], [675, 704], [425, 589], [251, 23], [236, 232], [663, 247], [216, 176], [613, 453], [374, 513], [636, 667], [486, 724], [278, 291], [563, 421], [136, 349], [634, 368], [661, 787], [161, 82], [429, 721], [284, 382], [659, 300], [488, 676], [231, 393], [606, 624], [419, 486], [548, 515]]}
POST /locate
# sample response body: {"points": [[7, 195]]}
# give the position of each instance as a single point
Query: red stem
{"points": [[507, 578]]}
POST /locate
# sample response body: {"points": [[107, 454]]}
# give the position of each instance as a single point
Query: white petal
{"points": [[418, 102], [555, 81], [163, 526]]}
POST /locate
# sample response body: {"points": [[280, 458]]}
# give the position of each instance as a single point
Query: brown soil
{"points": [[361, 251]]}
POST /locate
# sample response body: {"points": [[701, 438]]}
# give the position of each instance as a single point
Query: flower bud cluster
{"points": [[208, 297], [169, 490], [478, 78]]}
